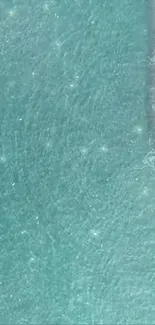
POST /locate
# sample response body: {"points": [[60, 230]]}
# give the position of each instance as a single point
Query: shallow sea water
{"points": [[77, 173]]}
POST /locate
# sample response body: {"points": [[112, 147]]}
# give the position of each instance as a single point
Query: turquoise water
{"points": [[77, 203]]}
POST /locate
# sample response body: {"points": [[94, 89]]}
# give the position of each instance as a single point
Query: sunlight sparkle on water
{"points": [[104, 149], [12, 13], [138, 129]]}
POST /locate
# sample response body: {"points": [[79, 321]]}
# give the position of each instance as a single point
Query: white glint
{"points": [[12, 13], [48, 145], [75, 82], [33, 73], [94, 233], [32, 259], [104, 149], [145, 191], [138, 129], [2, 159], [37, 219], [24, 232], [46, 7], [57, 45]]}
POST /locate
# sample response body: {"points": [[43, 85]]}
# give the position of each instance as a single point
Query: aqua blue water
{"points": [[76, 172]]}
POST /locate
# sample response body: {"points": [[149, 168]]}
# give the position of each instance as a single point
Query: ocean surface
{"points": [[77, 175]]}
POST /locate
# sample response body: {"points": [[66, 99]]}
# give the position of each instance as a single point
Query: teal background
{"points": [[77, 201]]}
